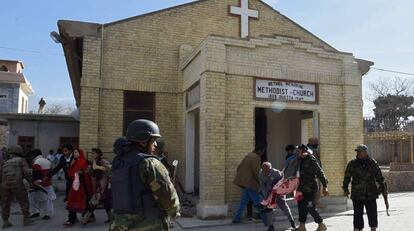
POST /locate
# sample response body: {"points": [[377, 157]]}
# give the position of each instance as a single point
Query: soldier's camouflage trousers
{"points": [[7, 196], [130, 222]]}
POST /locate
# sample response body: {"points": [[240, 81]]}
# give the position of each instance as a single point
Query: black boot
{"points": [[271, 228]]}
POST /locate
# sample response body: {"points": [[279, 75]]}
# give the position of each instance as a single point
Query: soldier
{"points": [[309, 170], [364, 173], [13, 171], [143, 194], [163, 156], [42, 104]]}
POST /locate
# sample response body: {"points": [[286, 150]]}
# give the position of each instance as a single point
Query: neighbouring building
{"points": [[45, 132], [15, 89], [216, 76], [3, 133]]}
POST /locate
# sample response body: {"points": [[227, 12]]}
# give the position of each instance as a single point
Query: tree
{"points": [[392, 112], [393, 101], [58, 109], [394, 86]]}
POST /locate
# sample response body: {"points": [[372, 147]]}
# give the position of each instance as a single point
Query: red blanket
{"points": [[282, 188]]}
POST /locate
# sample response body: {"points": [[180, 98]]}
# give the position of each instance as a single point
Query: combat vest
{"points": [[12, 175], [130, 195]]}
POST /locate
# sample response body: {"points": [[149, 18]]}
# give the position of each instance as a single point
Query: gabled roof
{"points": [[200, 1], [73, 32]]}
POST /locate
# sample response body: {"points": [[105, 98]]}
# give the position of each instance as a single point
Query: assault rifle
{"points": [[175, 179], [384, 192], [172, 169]]}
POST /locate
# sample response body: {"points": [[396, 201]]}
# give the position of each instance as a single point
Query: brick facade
{"points": [[169, 51], [230, 68]]}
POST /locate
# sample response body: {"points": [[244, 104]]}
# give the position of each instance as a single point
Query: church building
{"points": [[217, 76]]}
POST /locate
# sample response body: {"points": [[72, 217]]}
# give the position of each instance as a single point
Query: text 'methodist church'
{"points": [[217, 76]]}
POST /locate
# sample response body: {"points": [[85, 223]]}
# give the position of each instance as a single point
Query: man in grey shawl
{"points": [[268, 177]]}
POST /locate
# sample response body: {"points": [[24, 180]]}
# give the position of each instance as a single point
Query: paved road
{"points": [[401, 219]]}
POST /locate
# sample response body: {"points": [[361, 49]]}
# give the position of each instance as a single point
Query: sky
{"points": [[381, 31]]}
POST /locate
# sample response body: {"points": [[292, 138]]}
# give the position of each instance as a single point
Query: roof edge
{"points": [[154, 12], [298, 25], [364, 66], [34, 116], [78, 29], [200, 1]]}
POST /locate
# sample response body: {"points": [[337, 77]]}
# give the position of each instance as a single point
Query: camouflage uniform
{"points": [[155, 176], [309, 169], [364, 175], [13, 171]]}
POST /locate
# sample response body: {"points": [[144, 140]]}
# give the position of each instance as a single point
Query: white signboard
{"points": [[285, 91]]}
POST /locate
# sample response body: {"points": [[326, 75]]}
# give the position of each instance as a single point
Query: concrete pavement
{"points": [[401, 219]]}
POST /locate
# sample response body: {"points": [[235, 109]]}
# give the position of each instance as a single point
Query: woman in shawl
{"points": [[81, 191]]}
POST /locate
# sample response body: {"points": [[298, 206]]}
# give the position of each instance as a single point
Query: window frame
{"points": [[22, 141], [137, 110]]}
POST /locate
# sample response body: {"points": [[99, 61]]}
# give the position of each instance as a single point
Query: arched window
{"points": [[4, 68]]}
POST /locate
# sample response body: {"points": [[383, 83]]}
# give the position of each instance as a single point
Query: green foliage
{"points": [[392, 112]]}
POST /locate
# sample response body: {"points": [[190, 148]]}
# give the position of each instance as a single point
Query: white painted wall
{"points": [[283, 128], [47, 133], [190, 155], [23, 101]]}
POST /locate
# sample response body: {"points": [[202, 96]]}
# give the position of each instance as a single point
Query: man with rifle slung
{"points": [[144, 197], [365, 174]]}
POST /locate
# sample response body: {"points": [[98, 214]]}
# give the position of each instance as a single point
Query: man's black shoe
{"points": [[35, 215]]}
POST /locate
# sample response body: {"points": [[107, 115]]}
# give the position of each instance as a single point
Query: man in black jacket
{"points": [[64, 163], [365, 175], [309, 170]]}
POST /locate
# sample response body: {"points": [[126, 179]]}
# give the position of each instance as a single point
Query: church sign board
{"points": [[282, 90]]}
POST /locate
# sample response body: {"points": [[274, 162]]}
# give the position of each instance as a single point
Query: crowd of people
{"points": [[96, 182], [302, 176], [137, 191], [87, 183]]}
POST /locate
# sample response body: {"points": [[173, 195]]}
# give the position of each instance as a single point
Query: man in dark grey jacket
{"points": [[268, 177]]}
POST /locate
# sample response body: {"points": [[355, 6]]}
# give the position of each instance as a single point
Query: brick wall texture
{"points": [[143, 54]]}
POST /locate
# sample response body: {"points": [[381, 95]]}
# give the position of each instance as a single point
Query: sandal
{"points": [[88, 218]]}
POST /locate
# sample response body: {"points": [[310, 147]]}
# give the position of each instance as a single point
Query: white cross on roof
{"points": [[245, 13]]}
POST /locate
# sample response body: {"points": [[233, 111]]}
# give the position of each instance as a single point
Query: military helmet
{"points": [[142, 130], [16, 150]]}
